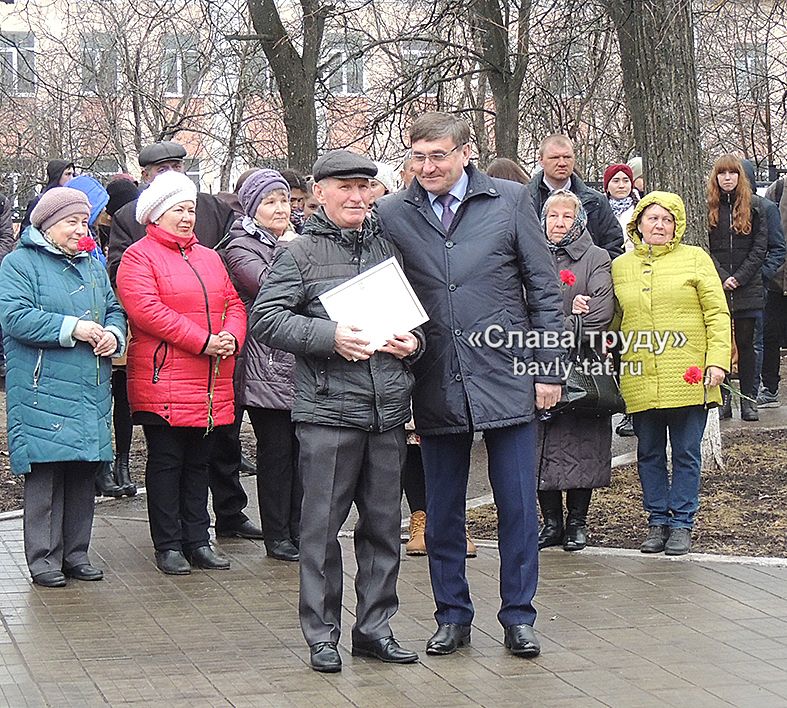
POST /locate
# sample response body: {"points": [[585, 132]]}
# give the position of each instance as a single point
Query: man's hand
{"points": [[730, 283], [547, 395], [401, 345], [349, 345]]}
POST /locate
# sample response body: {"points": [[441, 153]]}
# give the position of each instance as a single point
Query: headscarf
{"points": [[577, 228]]}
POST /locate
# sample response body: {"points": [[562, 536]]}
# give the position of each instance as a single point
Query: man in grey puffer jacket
{"points": [[350, 408]]}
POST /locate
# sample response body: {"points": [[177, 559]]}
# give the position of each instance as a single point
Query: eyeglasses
{"points": [[434, 157]]}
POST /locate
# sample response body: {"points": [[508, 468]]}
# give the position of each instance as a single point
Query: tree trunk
{"points": [[296, 74], [656, 39]]}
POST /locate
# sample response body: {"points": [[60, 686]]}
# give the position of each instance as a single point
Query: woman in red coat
{"points": [[187, 324]]}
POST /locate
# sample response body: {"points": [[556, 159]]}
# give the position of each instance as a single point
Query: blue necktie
{"points": [[446, 200]]}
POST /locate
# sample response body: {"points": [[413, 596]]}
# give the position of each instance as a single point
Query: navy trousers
{"points": [[512, 473]]}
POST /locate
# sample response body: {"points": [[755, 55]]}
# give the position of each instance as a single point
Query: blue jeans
{"points": [[670, 502], [512, 473]]}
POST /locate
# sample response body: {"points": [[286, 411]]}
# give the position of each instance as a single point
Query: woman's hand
{"points": [[713, 376], [88, 331], [221, 344], [107, 345], [579, 305], [229, 343], [730, 283]]}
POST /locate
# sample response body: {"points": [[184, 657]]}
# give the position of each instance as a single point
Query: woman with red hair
{"points": [[738, 241]]}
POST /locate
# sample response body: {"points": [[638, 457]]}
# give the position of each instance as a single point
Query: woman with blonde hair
{"points": [[738, 241]]}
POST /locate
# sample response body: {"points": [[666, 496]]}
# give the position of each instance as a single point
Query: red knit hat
{"points": [[612, 170]]}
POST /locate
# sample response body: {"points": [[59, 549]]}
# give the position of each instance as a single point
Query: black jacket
{"points": [[740, 255], [264, 377], [774, 258], [492, 269], [372, 395], [214, 219], [602, 225]]}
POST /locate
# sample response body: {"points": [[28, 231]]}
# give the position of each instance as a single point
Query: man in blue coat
{"points": [[477, 259]]}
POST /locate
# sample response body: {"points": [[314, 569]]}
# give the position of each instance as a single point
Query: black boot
{"points": [[105, 485], [577, 502], [749, 410], [551, 503], [122, 475]]}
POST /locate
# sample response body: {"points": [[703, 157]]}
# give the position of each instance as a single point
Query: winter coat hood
{"points": [[54, 171], [748, 168], [669, 201]]}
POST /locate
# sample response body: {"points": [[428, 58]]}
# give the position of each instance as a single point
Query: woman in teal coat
{"points": [[61, 324]]}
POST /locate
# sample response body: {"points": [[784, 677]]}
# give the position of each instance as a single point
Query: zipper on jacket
{"points": [[207, 308], [156, 366], [37, 375]]}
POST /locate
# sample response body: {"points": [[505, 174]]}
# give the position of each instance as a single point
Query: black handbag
{"points": [[591, 388]]}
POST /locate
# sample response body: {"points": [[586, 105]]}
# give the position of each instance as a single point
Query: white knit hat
{"points": [[167, 190], [386, 176]]}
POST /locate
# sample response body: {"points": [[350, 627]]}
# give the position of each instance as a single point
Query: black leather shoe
{"points": [[283, 550], [386, 649], [245, 530], [50, 579], [172, 563], [448, 638], [206, 558], [324, 657], [520, 640], [655, 540], [84, 572]]}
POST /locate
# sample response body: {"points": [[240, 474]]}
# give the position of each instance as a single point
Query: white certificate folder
{"points": [[380, 301]]}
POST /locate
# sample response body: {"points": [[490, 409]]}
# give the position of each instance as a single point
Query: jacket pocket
{"points": [[159, 357], [322, 380]]}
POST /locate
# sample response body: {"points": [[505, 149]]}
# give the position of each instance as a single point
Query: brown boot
{"points": [[472, 551], [416, 546]]}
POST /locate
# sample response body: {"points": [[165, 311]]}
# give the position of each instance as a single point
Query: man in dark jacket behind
{"points": [[556, 156], [214, 219], [477, 259], [351, 404]]}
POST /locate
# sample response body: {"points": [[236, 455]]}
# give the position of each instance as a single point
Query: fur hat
{"points": [[167, 190], [256, 186], [612, 170], [56, 204]]}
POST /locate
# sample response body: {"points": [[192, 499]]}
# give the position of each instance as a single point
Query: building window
{"points": [[99, 64], [751, 71], [418, 61], [17, 63], [181, 65], [344, 70]]}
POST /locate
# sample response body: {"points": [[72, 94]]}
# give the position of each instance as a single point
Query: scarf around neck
{"points": [[620, 206]]}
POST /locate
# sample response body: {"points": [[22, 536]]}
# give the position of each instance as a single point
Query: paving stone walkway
{"points": [[618, 629]]}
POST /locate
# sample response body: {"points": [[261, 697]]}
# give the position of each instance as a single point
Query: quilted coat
{"points": [[264, 377], [668, 289], [177, 293], [576, 452], [492, 268], [373, 394], [57, 392]]}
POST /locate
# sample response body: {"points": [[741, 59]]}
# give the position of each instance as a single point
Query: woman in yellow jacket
{"points": [[668, 291]]}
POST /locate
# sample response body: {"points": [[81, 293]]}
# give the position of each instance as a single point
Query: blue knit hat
{"points": [[94, 191]]}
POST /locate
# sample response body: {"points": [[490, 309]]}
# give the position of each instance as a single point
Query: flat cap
{"points": [[161, 152], [343, 164]]}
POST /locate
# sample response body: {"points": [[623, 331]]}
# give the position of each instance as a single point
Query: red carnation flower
{"points": [[693, 375], [567, 277], [86, 244]]}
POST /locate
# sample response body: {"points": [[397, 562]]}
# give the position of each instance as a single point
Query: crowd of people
{"points": [[180, 311]]}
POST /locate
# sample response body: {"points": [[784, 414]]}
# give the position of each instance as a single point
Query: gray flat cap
{"points": [[343, 164], [161, 152]]}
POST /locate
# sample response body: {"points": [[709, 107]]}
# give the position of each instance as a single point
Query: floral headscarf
{"points": [[580, 221]]}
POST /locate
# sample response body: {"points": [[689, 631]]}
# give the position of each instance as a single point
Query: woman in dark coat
{"points": [[264, 380], [738, 241], [575, 453]]}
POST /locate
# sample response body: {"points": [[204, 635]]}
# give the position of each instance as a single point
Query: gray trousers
{"points": [[339, 466], [58, 517]]}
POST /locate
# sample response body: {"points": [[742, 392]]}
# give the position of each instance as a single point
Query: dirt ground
{"points": [[743, 509]]}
